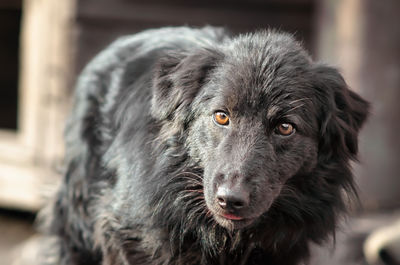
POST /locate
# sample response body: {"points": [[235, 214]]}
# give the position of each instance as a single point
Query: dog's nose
{"points": [[232, 199]]}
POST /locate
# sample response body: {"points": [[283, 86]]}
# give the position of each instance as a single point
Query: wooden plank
{"points": [[47, 45], [11, 150], [210, 3], [23, 184], [216, 15], [101, 21], [25, 187]]}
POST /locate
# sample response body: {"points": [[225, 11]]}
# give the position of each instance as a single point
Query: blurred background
{"points": [[44, 44]]}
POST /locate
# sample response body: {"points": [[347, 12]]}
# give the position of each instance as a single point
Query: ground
{"points": [[15, 227]]}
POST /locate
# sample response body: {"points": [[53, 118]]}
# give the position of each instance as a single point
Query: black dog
{"points": [[188, 146]]}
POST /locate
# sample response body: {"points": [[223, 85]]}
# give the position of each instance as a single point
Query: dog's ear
{"points": [[343, 114], [177, 79]]}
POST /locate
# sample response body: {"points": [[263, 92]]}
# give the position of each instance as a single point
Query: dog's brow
{"points": [[294, 102], [272, 111]]}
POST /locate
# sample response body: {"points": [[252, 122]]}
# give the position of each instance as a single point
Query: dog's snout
{"points": [[232, 199]]}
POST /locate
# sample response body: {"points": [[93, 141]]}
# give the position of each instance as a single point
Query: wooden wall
{"points": [[362, 38], [101, 21]]}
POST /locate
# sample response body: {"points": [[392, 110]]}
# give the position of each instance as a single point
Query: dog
{"points": [[192, 146]]}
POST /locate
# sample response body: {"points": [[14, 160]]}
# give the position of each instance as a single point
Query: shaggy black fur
{"points": [[153, 178]]}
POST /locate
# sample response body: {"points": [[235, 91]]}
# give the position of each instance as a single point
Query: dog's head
{"points": [[266, 124]]}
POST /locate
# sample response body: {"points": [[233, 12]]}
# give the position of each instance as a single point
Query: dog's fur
{"points": [[146, 158]]}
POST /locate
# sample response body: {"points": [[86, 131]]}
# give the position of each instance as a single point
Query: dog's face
{"points": [[258, 113], [250, 139]]}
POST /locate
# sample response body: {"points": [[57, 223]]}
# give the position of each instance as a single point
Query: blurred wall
{"points": [[379, 81], [101, 21], [362, 37]]}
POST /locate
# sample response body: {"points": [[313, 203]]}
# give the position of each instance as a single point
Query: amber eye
{"points": [[221, 118], [285, 129]]}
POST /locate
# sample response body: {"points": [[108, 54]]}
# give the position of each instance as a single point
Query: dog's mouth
{"points": [[232, 217], [232, 221]]}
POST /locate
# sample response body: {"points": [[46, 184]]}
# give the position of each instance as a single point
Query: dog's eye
{"points": [[221, 118], [285, 129]]}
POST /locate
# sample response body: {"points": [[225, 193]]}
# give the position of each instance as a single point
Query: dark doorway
{"points": [[10, 20]]}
